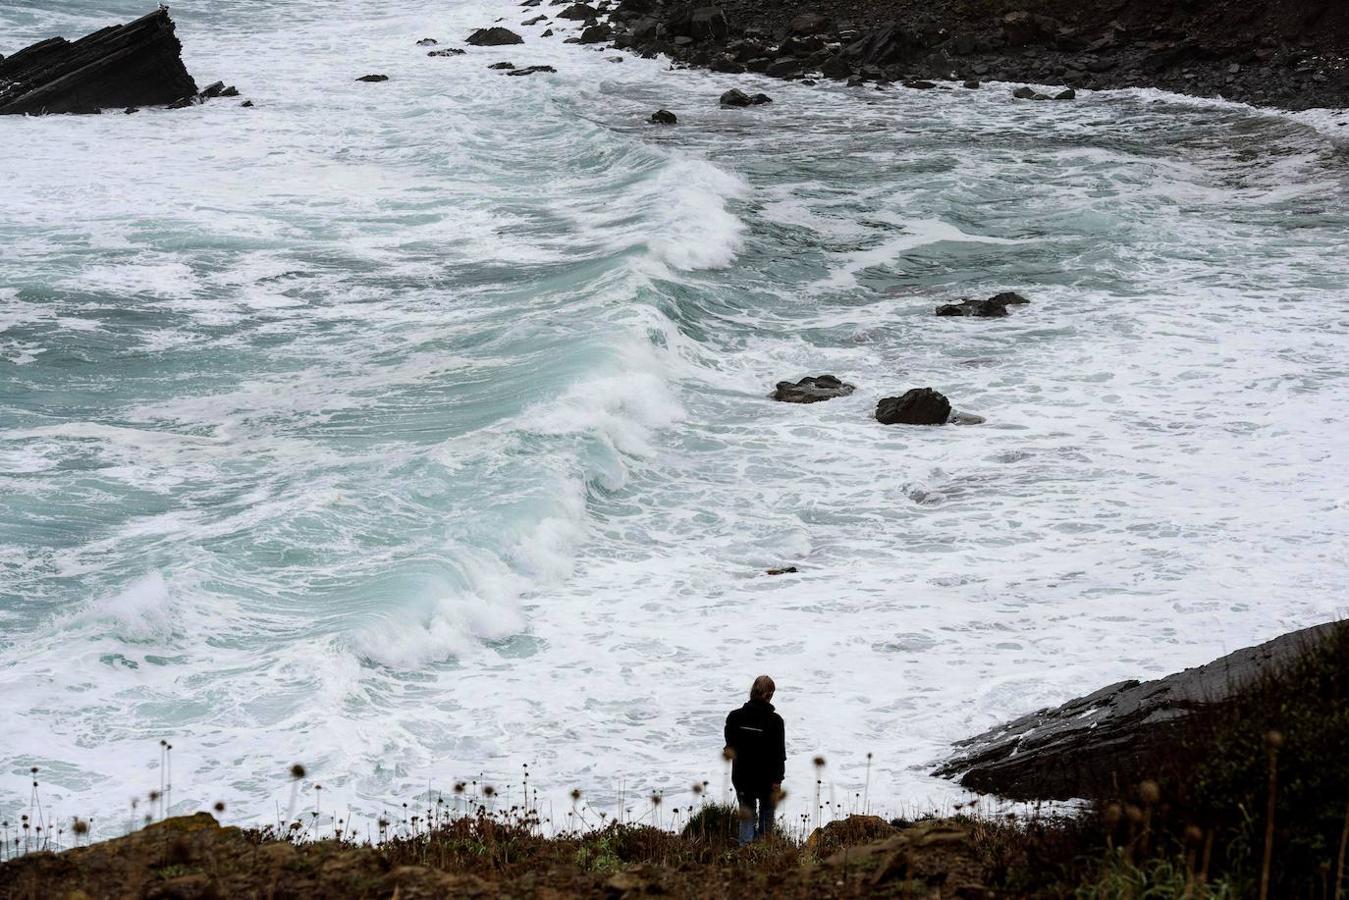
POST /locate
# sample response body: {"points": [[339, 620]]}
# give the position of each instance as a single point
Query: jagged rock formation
{"points": [[1108, 740], [139, 64]]}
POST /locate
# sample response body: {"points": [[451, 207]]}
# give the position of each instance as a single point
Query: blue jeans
{"points": [[755, 824]]}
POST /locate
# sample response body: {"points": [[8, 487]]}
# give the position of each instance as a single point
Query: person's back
{"points": [[756, 736]]}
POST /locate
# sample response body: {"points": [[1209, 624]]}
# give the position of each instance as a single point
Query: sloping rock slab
{"points": [[139, 64], [1096, 745]]}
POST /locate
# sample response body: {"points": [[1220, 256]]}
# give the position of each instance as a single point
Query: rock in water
{"points": [[812, 390], [494, 37], [994, 307], [737, 97], [139, 64], [919, 406], [373, 79], [1115, 736], [664, 117]]}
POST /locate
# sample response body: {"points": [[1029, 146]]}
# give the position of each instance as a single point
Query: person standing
{"points": [[757, 745]]}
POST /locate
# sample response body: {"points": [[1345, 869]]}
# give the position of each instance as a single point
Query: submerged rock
{"points": [[782, 570], [532, 70], [448, 51], [373, 79], [812, 389], [138, 64], [427, 42], [1027, 93], [1091, 746], [502, 65], [919, 406], [495, 36], [664, 117]]}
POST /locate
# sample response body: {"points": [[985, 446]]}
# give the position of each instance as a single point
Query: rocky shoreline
{"points": [[1293, 56]]}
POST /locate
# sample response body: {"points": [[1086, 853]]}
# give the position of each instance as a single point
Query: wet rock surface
{"points": [[812, 389], [918, 406], [133, 65], [1114, 736], [494, 37], [994, 307]]}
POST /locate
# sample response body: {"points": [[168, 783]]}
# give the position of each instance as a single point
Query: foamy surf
{"points": [[419, 430]]}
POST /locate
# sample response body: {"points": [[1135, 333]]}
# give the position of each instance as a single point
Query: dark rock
{"points": [[427, 42], [808, 24], [812, 389], [1094, 745], [1022, 28], [534, 21], [579, 11], [532, 70], [972, 84], [800, 47], [783, 570], [211, 91], [494, 37], [919, 406], [373, 79], [664, 117], [786, 67], [138, 64], [597, 34], [448, 51], [1069, 94], [701, 23], [737, 97], [837, 67], [247, 103], [885, 46], [1027, 93], [964, 418], [994, 307], [230, 91], [502, 65], [920, 85], [727, 65]]}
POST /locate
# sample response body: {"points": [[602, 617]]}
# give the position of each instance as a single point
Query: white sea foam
{"points": [[420, 429]]}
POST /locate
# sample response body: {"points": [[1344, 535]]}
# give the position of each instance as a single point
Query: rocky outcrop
{"points": [[495, 36], [138, 64], [1113, 738], [919, 406], [812, 389], [664, 117], [994, 307]]}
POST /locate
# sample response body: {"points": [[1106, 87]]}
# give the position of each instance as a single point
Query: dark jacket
{"points": [[756, 735]]}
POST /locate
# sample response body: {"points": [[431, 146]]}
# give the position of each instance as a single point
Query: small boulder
{"points": [[737, 97], [1028, 93], [427, 42], [502, 65], [1069, 94], [812, 389], [964, 418], [837, 67], [918, 406], [578, 11], [532, 70], [597, 34], [448, 51], [972, 84], [373, 79], [664, 117], [534, 21], [920, 85], [782, 570], [494, 37]]}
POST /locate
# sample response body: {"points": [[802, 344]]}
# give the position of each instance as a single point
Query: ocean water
{"points": [[418, 431]]}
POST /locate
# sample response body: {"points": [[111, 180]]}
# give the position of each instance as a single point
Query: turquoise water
{"points": [[416, 431]]}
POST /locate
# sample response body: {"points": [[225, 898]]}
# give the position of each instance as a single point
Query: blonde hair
{"points": [[762, 688]]}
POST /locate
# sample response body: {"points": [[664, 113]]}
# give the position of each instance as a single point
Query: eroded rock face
{"points": [[664, 117], [737, 97], [138, 64], [1114, 737], [919, 406], [812, 389]]}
